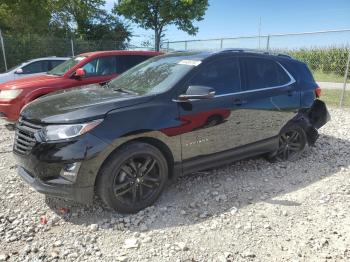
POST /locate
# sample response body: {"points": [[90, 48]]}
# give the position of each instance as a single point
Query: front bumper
{"points": [[58, 187], [42, 167], [9, 110]]}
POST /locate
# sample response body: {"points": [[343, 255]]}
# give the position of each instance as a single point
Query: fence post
{"points": [[345, 80], [72, 46], [185, 45], [221, 43], [3, 50], [167, 46], [268, 43]]}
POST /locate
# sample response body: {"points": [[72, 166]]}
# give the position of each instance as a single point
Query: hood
{"points": [[30, 82], [78, 105]]}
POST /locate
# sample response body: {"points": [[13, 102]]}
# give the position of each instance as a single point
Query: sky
{"points": [[232, 18]]}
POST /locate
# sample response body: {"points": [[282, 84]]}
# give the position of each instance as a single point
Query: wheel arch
{"points": [[35, 94], [160, 145], [302, 120]]}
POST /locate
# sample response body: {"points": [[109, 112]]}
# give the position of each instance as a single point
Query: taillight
{"points": [[318, 91]]}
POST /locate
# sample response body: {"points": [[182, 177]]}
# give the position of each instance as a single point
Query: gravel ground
{"points": [[251, 210]]}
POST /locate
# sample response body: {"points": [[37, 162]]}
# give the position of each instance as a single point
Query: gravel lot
{"points": [[251, 210]]}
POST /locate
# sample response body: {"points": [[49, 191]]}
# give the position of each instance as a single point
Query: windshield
{"points": [[63, 68], [155, 75]]}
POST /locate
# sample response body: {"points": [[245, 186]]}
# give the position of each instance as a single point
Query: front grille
{"points": [[24, 137]]}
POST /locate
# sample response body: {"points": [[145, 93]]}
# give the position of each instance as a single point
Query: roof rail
{"points": [[253, 51]]}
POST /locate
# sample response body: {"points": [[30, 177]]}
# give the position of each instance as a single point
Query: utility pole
{"points": [[345, 80], [3, 49], [259, 30]]}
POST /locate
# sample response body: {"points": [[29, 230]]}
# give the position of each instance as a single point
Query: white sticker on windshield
{"points": [[189, 62]]}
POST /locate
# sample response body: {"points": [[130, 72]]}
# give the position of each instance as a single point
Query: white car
{"points": [[32, 67]]}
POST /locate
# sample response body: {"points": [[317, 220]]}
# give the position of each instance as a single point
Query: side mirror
{"points": [[19, 71], [79, 73], [197, 92]]}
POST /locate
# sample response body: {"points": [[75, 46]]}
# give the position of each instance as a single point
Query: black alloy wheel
{"points": [[292, 142], [137, 179], [132, 178]]}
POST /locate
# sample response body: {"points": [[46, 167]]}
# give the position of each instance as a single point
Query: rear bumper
{"points": [[313, 119], [58, 187]]}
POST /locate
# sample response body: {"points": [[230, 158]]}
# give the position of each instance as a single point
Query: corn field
{"points": [[326, 60]]}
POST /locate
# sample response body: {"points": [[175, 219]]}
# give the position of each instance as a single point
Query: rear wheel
{"points": [[292, 143], [133, 178]]}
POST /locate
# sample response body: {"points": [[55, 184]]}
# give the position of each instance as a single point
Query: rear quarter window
{"points": [[299, 71], [259, 73]]}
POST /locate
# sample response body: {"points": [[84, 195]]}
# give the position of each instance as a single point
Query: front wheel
{"points": [[133, 177], [292, 143]]}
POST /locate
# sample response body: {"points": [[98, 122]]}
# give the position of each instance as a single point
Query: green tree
{"points": [[157, 14], [25, 16]]}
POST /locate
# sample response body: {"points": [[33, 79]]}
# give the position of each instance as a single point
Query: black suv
{"points": [[170, 115]]}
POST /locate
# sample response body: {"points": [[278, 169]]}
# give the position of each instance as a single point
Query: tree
{"points": [[24, 16], [157, 14]]}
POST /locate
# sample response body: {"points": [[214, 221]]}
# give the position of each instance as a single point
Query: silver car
{"points": [[32, 67]]}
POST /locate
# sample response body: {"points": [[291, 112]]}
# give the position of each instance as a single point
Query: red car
{"points": [[89, 68]]}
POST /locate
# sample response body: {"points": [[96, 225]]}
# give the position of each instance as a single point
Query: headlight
{"points": [[59, 132], [10, 93]]}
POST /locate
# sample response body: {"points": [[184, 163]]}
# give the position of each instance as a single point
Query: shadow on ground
{"points": [[197, 197]]}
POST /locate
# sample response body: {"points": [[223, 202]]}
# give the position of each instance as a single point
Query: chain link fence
{"points": [[327, 53], [16, 50]]}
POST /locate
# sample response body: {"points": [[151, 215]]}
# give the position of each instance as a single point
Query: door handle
{"points": [[239, 102]]}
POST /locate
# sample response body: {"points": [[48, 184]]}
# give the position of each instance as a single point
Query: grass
{"points": [[328, 77], [332, 97]]}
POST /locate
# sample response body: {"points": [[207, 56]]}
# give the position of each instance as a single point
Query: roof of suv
{"points": [[201, 55], [121, 52]]}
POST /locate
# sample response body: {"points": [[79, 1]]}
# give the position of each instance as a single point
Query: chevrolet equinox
{"points": [[168, 116]]}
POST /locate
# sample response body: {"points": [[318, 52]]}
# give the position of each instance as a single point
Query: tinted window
{"points": [[299, 71], [128, 61], [55, 63], [222, 75], [261, 73], [101, 66], [36, 67]]}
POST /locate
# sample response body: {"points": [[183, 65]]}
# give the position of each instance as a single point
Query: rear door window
{"points": [[259, 73], [125, 62], [222, 75], [36, 67]]}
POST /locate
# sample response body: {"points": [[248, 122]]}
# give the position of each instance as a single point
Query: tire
{"points": [[291, 144], [133, 177]]}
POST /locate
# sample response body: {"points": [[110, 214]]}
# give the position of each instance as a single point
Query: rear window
{"points": [[261, 73], [128, 61]]}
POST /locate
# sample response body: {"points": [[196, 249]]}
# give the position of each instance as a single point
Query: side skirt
{"points": [[222, 158]]}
